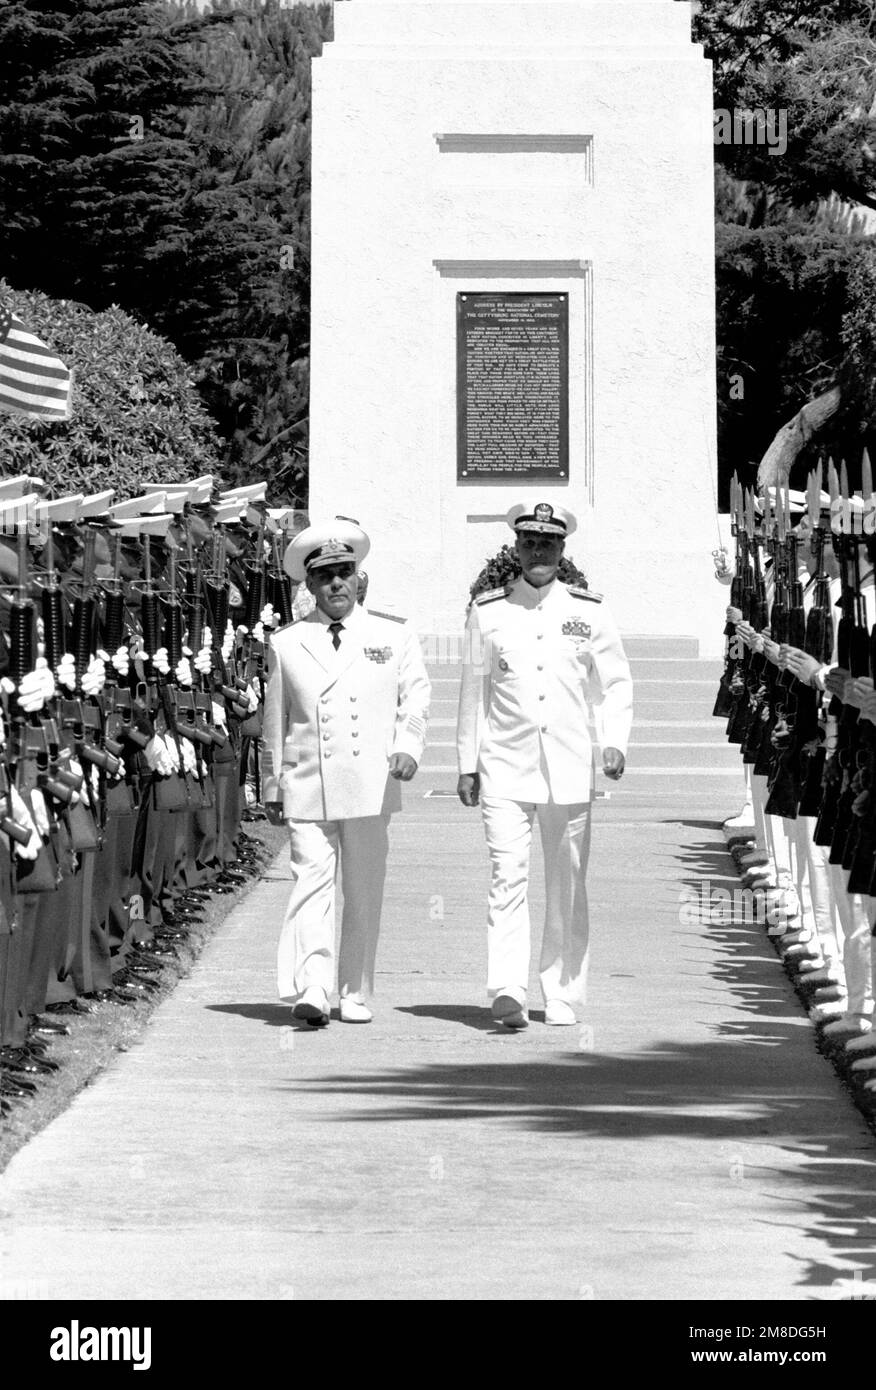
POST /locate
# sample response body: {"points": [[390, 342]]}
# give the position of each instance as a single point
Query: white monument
{"points": [[557, 158]]}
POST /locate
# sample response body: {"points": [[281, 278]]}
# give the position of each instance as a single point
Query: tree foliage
{"points": [[157, 156], [95, 161], [504, 567], [243, 308], [137, 416], [792, 244]]}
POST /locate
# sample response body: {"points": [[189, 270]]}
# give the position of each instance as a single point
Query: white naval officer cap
{"points": [[325, 543], [541, 517]]}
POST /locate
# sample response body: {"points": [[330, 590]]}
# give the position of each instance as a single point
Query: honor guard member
{"points": [[345, 721], [540, 656]]}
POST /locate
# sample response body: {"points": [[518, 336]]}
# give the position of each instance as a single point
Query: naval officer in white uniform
{"points": [[345, 721], [540, 656]]}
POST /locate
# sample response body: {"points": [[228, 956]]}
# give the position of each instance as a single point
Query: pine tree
{"points": [[792, 241], [95, 159], [242, 307]]}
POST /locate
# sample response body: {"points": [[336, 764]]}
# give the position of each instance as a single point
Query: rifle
{"points": [[740, 720], [724, 700], [785, 781], [818, 642]]}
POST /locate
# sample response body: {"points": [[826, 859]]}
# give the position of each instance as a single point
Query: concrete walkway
{"points": [[685, 1141]]}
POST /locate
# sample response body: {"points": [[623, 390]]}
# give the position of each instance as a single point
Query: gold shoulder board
{"points": [[489, 597], [391, 617], [578, 592]]}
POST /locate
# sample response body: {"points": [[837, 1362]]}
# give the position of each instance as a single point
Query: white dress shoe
{"points": [[313, 1007], [831, 994], [558, 1013], [863, 1063], [510, 1011], [852, 1024], [752, 857], [823, 1013], [823, 975], [801, 948], [352, 1010], [865, 1043]]}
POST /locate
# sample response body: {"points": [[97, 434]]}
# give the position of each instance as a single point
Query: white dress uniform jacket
{"points": [[537, 661], [334, 718]]}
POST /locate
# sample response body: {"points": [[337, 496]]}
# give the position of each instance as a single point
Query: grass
{"points": [[95, 1038]]}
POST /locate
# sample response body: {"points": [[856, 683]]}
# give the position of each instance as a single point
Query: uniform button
{"points": [[354, 698], [324, 718], [539, 668], [544, 728], [355, 733], [326, 737], [541, 697], [354, 715], [355, 752], [539, 635], [327, 753]]}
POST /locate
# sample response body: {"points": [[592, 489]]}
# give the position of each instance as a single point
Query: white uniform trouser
{"points": [[817, 895], [854, 909], [758, 802], [306, 954], [565, 838]]}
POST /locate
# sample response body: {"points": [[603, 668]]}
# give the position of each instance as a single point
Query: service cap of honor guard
{"points": [[541, 517], [326, 543]]}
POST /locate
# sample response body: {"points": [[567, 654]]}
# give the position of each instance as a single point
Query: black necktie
{"points": [[336, 629]]}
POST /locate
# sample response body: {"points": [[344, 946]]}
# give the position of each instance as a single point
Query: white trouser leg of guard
{"points": [[781, 850], [824, 914], [855, 929], [306, 953], [758, 801]]}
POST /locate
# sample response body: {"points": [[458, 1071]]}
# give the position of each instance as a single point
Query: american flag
{"points": [[33, 381]]}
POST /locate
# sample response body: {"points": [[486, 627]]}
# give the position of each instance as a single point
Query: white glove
{"points": [[7, 686], [173, 757], [183, 672], [189, 757], [155, 754], [160, 662], [21, 815], [65, 671], [40, 812], [77, 769], [38, 686], [258, 632], [94, 679], [267, 615], [121, 660], [228, 641], [252, 699], [219, 717], [203, 662]]}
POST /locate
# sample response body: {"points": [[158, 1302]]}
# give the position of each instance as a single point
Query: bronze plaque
{"points": [[512, 387]]}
